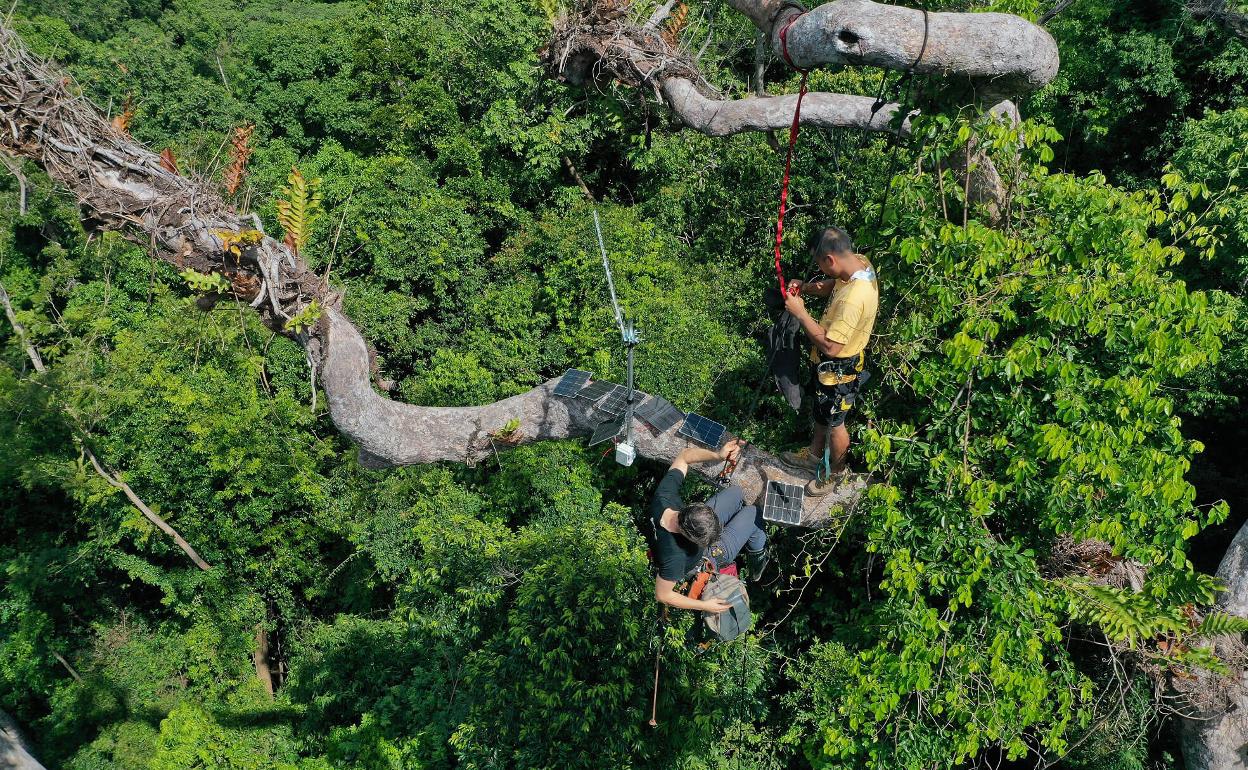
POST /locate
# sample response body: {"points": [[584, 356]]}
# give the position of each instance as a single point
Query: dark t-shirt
{"points": [[674, 555]]}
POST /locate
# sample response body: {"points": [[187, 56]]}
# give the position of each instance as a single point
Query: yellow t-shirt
{"points": [[850, 318]]}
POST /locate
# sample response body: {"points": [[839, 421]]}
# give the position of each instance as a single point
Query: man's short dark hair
{"points": [[699, 523], [832, 240]]}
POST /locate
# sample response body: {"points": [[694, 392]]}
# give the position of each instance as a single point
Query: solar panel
{"points": [[660, 414], [617, 401], [608, 430], [783, 503], [597, 390], [572, 381], [706, 432]]}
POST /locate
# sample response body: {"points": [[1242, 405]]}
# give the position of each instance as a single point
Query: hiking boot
{"points": [[801, 460], [817, 488], [757, 562]]}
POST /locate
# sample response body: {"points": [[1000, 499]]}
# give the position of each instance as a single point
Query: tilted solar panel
{"points": [[783, 502], [607, 431], [572, 381], [597, 390], [617, 401], [659, 413], [706, 432]]}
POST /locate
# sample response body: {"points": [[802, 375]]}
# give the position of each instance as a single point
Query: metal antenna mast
{"points": [[625, 452]]}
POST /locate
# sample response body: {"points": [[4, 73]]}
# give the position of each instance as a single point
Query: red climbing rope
{"points": [[788, 160]]}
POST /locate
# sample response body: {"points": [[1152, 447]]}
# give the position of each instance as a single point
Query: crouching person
{"points": [[686, 534]]}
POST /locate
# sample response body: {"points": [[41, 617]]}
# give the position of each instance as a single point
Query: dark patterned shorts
{"points": [[833, 402]]}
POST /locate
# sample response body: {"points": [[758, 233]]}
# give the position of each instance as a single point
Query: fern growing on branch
{"points": [[299, 209]]}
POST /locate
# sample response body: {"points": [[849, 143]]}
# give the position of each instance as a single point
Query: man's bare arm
{"points": [[664, 592], [694, 455], [819, 337], [821, 288]]}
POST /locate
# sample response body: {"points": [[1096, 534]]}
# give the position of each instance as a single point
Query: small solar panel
{"points": [[608, 430], [659, 413], [572, 381], [783, 503], [617, 401], [706, 432], [597, 390]]}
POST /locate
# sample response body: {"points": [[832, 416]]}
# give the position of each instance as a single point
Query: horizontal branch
{"points": [[393, 433], [1003, 52], [725, 117]]}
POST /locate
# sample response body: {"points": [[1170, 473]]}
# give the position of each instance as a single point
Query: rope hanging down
{"points": [[788, 160]]}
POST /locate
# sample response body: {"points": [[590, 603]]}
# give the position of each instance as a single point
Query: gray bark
{"points": [[724, 117], [393, 433], [999, 54], [14, 754], [999, 51], [1214, 731], [1235, 21]]}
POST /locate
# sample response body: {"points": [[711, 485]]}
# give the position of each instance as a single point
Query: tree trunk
{"points": [[1214, 730], [998, 51], [14, 754], [261, 658]]}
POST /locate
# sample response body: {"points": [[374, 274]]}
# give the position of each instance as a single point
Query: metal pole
{"points": [[606, 265], [628, 414]]}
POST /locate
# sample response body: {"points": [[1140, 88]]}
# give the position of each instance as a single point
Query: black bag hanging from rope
{"points": [[785, 351]]}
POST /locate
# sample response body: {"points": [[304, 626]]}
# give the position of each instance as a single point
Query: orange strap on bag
{"points": [[701, 579]]}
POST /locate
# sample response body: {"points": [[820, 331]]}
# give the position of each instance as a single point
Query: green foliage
{"points": [[299, 208], [1037, 384], [1219, 623], [204, 284], [305, 319]]}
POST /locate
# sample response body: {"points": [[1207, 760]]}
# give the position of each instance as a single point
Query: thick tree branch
{"points": [[14, 754], [391, 433], [598, 42], [724, 117], [121, 185], [999, 51], [1214, 734]]}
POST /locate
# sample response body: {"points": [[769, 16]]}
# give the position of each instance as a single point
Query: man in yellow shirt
{"points": [[839, 341]]}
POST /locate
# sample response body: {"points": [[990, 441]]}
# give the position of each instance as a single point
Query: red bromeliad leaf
{"points": [[168, 162], [122, 121], [240, 153]]}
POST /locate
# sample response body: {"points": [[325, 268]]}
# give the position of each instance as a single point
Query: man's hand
{"points": [[795, 305], [715, 606], [795, 287], [732, 449]]}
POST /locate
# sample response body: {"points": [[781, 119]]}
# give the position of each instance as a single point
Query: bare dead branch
{"points": [[31, 351], [151, 516]]}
